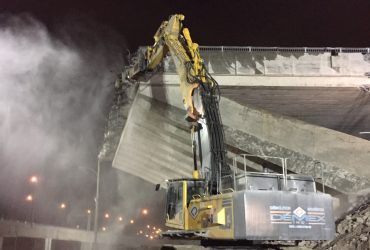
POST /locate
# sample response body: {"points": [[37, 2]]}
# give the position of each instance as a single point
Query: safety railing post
{"points": [[283, 168], [286, 172], [245, 170], [235, 167], [322, 179]]}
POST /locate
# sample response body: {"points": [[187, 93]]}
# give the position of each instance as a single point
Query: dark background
{"points": [[229, 23]]}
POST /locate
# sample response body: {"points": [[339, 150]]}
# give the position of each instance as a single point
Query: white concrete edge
{"points": [[124, 129]]}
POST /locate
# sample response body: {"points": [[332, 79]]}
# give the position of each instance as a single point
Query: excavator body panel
{"points": [[262, 210]]}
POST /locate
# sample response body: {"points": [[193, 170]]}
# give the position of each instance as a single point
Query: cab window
{"points": [[174, 199], [195, 188]]}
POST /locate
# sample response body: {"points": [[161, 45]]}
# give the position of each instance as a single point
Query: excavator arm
{"points": [[172, 37], [200, 95]]}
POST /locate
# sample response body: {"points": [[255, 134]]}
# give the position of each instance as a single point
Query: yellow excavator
{"points": [[216, 203]]}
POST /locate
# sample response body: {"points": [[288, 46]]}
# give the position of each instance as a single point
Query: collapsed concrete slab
{"points": [[152, 145], [155, 144]]}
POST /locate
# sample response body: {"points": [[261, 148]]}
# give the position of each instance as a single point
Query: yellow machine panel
{"points": [[192, 210]]}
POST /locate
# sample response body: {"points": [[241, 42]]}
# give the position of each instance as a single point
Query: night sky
{"points": [[234, 23], [339, 23]]}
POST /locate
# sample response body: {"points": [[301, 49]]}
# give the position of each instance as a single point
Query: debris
{"points": [[353, 231], [365, 88]]}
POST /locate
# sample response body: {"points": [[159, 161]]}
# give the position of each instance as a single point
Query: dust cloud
{"points": [[56, 90], [55, 93]]}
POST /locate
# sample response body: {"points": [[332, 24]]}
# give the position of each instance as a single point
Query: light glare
{"points": [[34, 179], [29, 198]]}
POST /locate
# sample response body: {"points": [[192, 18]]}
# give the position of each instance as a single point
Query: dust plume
{"points": [[54, 97]]}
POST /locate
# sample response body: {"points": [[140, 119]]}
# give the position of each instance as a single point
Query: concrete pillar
{"points": [[47, 244], [1, 243]]}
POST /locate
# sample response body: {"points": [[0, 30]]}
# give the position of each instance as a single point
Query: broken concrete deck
{"points": [[155, 143]]}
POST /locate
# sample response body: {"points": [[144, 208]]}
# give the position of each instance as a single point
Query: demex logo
{"points": [[299, 216]]}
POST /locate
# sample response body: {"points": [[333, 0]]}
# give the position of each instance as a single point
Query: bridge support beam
{"points": [[47, 244]]}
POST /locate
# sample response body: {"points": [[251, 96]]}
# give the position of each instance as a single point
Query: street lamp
{"points": [[63, 213], [29, 199], [145, 211], [33, 180], [88, 226], [96, 212], [96, 206]]}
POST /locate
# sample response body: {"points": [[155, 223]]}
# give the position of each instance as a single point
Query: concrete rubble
{"points": [[352, 229]]}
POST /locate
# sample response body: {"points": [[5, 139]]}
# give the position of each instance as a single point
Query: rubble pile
{"points": [[352, 228], [353, 231]]}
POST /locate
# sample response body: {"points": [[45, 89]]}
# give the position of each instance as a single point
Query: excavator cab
{"points": [[179, 194]]}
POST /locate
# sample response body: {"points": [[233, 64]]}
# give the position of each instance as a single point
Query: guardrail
{"points": [[236, 170], [242, 158], [285, 49], [309, 61]]}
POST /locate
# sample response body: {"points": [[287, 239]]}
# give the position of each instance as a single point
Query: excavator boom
{"points": [[200, 96]]}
